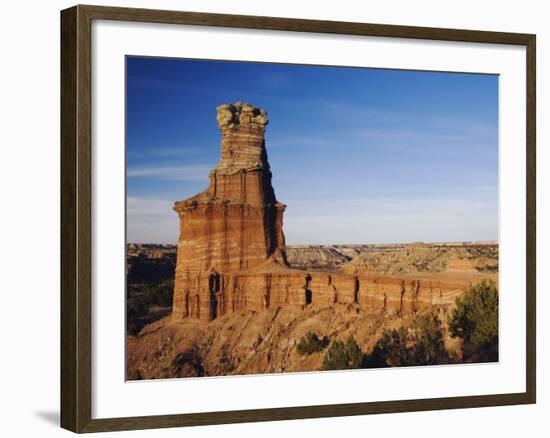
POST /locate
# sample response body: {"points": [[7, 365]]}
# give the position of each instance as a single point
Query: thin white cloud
{"points": [[197, 172], [459, 133], [294, 141], [177, 151], [363, 221], [391, 220], [151, 221], [146, 151], [147, 206], [275, 81]]}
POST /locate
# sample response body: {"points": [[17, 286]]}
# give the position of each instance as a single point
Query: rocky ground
{"points": [[253, 342], [266, 342], [426, 258]]}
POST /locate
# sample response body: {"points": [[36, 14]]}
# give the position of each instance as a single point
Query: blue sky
{"points": [[358, 155]]}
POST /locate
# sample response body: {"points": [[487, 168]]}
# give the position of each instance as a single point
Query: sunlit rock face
{"points": [[231, 250], [233, 226]]}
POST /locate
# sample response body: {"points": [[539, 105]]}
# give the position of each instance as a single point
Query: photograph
{"points": [[272, 219], [285, 218]]}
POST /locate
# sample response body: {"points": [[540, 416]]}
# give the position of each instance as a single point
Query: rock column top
{"points": [[242, 144], [231, 115]]}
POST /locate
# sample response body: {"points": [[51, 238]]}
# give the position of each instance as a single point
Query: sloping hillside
{"points": [[253, 342]]}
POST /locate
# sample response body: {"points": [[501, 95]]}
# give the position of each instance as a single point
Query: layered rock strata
{"points": [[234, 225], [234, 293], [231, 250]]}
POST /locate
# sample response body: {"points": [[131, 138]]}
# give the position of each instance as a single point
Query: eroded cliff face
{"points": [[233, 293], [234, 225], [231, 252]]}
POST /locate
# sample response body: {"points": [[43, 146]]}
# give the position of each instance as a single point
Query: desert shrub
{"points": [[147, 303], [142, 269], [343, 355], [419, 344], [475, 321], [226, 363], [428, 347], [390, 350], [188, 363], [160, 294], [134, 374], [311, 343]]}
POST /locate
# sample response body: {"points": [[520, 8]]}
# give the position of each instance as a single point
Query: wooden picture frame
{"points": [[76, 217]]}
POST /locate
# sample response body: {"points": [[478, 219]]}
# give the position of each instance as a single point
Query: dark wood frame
{"points": [[76, 173]]}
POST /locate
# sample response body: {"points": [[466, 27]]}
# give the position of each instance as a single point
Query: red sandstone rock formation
{"points": [[231, 250], [234, 225]]}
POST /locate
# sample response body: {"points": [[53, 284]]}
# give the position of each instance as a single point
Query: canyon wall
{"points": [[220, 294]]}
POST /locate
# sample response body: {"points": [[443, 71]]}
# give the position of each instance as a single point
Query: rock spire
{"points": [[234, 225]]}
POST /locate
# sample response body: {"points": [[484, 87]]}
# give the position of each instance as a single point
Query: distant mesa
{"points": [[231, 253]]}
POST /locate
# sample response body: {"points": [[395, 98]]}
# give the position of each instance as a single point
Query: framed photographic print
{"points": [[340, 215]]}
